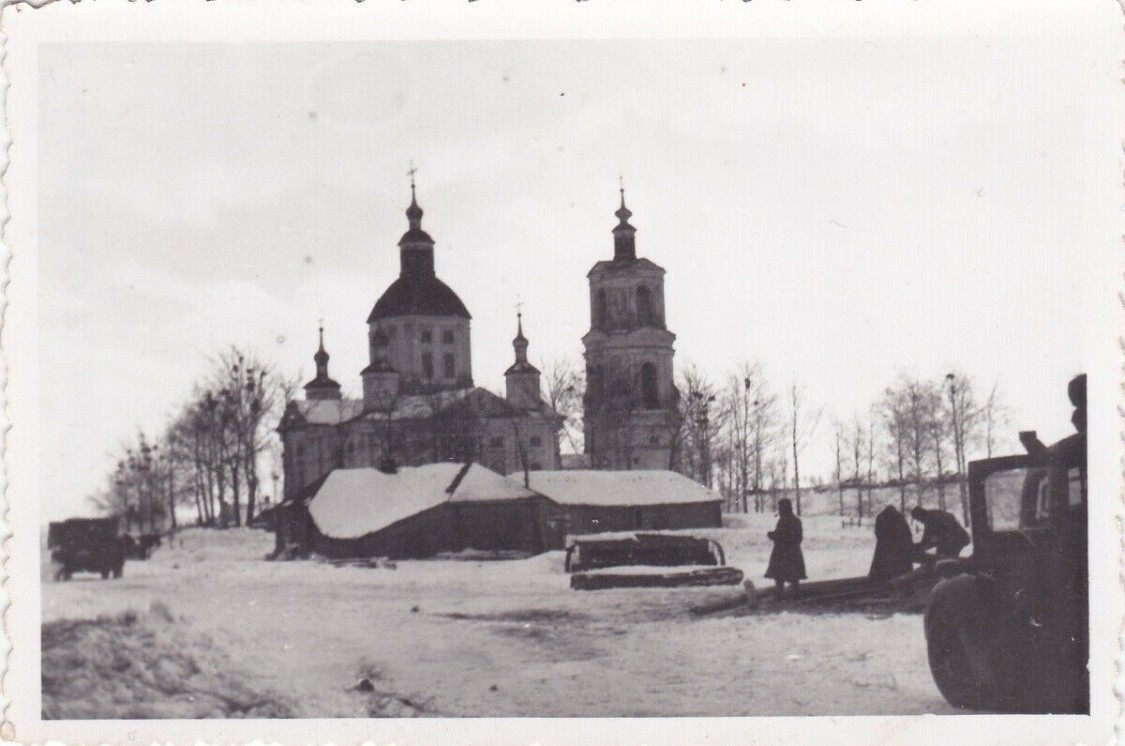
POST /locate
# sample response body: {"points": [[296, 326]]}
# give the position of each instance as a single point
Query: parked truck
{"points": [[86, 545], [1007, 629]]}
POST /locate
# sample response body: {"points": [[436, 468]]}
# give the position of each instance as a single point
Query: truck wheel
{"points": [[960, 663]]}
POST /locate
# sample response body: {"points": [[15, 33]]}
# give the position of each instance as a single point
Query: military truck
{"points": [[1007, 628], [86, 545]]}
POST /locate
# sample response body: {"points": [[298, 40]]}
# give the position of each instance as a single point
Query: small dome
{"points": [[418, 295], [414, 212]]}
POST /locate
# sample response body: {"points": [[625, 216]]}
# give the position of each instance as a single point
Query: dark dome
{"points": [[418, 295]]}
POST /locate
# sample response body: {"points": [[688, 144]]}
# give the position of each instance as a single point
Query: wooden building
{"points": [[598, 501]]}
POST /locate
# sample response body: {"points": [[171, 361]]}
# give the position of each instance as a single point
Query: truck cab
{"points": [[1007, 630], [86, 545]]}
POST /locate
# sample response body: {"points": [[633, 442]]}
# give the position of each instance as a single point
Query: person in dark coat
{"points": [[894, 546], [787, 564], [942, 532]]}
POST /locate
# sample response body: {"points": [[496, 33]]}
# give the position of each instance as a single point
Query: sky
{"points": [[840, 210]]}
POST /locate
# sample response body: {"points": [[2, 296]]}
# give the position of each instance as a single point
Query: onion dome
{"points": [[624, 234], [322, 387]]}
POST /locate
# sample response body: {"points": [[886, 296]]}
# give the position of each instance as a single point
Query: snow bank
{"points": [[134, 666]]}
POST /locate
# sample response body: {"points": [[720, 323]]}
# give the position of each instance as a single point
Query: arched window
{"points": [[649, 392], [644, 306], [601, 311]]}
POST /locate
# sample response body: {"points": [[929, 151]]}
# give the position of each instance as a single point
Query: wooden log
{"points": [[746, 599], [709, 576]]}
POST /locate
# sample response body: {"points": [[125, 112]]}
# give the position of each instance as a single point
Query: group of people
{"points": [[895, 549]]}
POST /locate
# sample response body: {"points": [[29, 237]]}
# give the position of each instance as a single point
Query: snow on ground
{"points": [[509, 638]]}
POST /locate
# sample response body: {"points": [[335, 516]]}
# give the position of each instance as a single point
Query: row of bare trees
{"points": [[931, 428], [748, 439], [212, 454]]}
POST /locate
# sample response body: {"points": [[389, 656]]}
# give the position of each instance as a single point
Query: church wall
{"points": [[407, 348], [308, 454], [500, 450]]}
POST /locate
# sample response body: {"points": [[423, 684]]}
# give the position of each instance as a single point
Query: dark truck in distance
{"points": [[86, 545], [1008, 628]]}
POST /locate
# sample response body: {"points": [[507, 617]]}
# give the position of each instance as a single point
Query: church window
{"points": [[600, 308], [448, 367], [536, 441], [496, 442], [649, 392], [427, 336], [447, 336], [644, 305], [427, 365]]}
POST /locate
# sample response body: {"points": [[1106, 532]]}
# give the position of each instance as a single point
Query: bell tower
{"points": [[631, 406]]}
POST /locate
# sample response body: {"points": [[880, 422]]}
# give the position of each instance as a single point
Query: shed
{"points": [[597, 501], [425, 510]]}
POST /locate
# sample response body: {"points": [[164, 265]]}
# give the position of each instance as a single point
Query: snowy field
{"points": [[464, 638]]}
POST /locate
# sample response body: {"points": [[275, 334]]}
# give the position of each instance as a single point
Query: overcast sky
{"points": [[839, 210]]}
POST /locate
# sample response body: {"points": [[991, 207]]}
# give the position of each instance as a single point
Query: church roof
{"points": [[418, 295], [415, 235], [612, 265], [521, 367]]}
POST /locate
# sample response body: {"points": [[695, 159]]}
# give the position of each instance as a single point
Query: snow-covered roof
{"points": [[477, 401], [609, 488], [329, 411], [355, 502]]}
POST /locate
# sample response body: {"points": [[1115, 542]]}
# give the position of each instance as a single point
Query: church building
{"points": [[419, 403], [631, 417]]}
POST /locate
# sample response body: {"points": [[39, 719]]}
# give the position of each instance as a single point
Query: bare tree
{"points": [[564, 385], [701, 425], [839, 433], [964, 415], [751, 422], [856, 443], [802, 426], [749, 417], [995, 416]]}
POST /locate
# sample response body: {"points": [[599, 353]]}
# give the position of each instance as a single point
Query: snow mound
{"points": [[137, 666]]}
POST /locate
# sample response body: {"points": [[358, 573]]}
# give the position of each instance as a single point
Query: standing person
{"points": [[787, 564], [894, 546], [942, 532]]}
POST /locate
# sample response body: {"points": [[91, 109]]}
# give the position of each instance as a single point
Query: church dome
{"points": [[418, 295]]}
